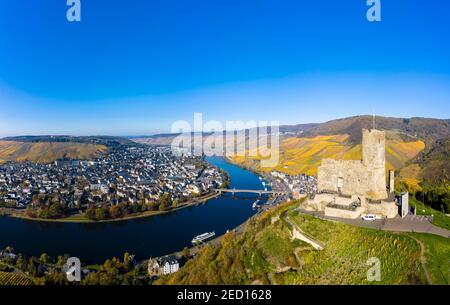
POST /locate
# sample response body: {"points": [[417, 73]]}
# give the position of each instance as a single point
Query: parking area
{"points": [[414, 223], [410, 223], [374, 224]]}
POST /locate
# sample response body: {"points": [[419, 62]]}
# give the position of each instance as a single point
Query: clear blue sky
{"points": [[136, 66]]}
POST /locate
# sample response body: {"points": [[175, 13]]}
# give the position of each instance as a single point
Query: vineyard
{"points": [[47, 152], [265, 253], [304, 155], [7, 278]]}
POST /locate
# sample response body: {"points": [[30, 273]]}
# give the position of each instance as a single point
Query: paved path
{"points": [[376, 224], [414, 223], [411, 223]]}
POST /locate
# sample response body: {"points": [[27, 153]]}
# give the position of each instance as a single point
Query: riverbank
{"points": [[81, 218], [252, 170], [216, 241], [149, 236]]}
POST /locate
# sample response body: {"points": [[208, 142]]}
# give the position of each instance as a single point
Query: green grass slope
{"points": [[266, 254]]}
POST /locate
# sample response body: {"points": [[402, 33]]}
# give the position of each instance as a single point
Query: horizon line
{"points": [[151, 134]]}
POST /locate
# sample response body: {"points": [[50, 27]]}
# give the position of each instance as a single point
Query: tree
{"points": [[107, 265], [54, 277], [90, 213], [35, 199], [101, 213], [44, 258], [136, 208], [151, 205], [55, 210], [186, 252], [165, 201], [21, 262], [32, 266], [127, 262], [43, 213], [115, 211], [9, 249], [61, 261], [92, 278], [174, 203]]}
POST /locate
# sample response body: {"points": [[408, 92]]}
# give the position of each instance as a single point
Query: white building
{"points": [[163, 265]]}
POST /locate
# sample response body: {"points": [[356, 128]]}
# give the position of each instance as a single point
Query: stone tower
{"points": [[373, 158]]}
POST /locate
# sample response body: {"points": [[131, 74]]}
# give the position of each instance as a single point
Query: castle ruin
{"points": [[366, 177], [349, 188]]}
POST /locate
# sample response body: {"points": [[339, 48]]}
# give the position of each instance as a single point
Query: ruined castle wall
{"points": [[366, 177], [358, 179], [348, 177], [319, 202], [332, 212], [387, 209]]}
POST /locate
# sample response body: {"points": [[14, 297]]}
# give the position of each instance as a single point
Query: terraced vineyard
{"points": [[45, 152], [7, 278], [304, 155]]}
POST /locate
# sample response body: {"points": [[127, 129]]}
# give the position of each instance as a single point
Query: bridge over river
{"points": [[259, 192]]}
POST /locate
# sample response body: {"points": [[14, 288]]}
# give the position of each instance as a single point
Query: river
{"points": [[144, 237]]}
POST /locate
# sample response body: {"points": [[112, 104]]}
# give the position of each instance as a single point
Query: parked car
{"points": [[369, 217]]}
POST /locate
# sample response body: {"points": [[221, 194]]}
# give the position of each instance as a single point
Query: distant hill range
{"points": [[433, 160], [418, 145], [430, 130], [108, 141]]}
